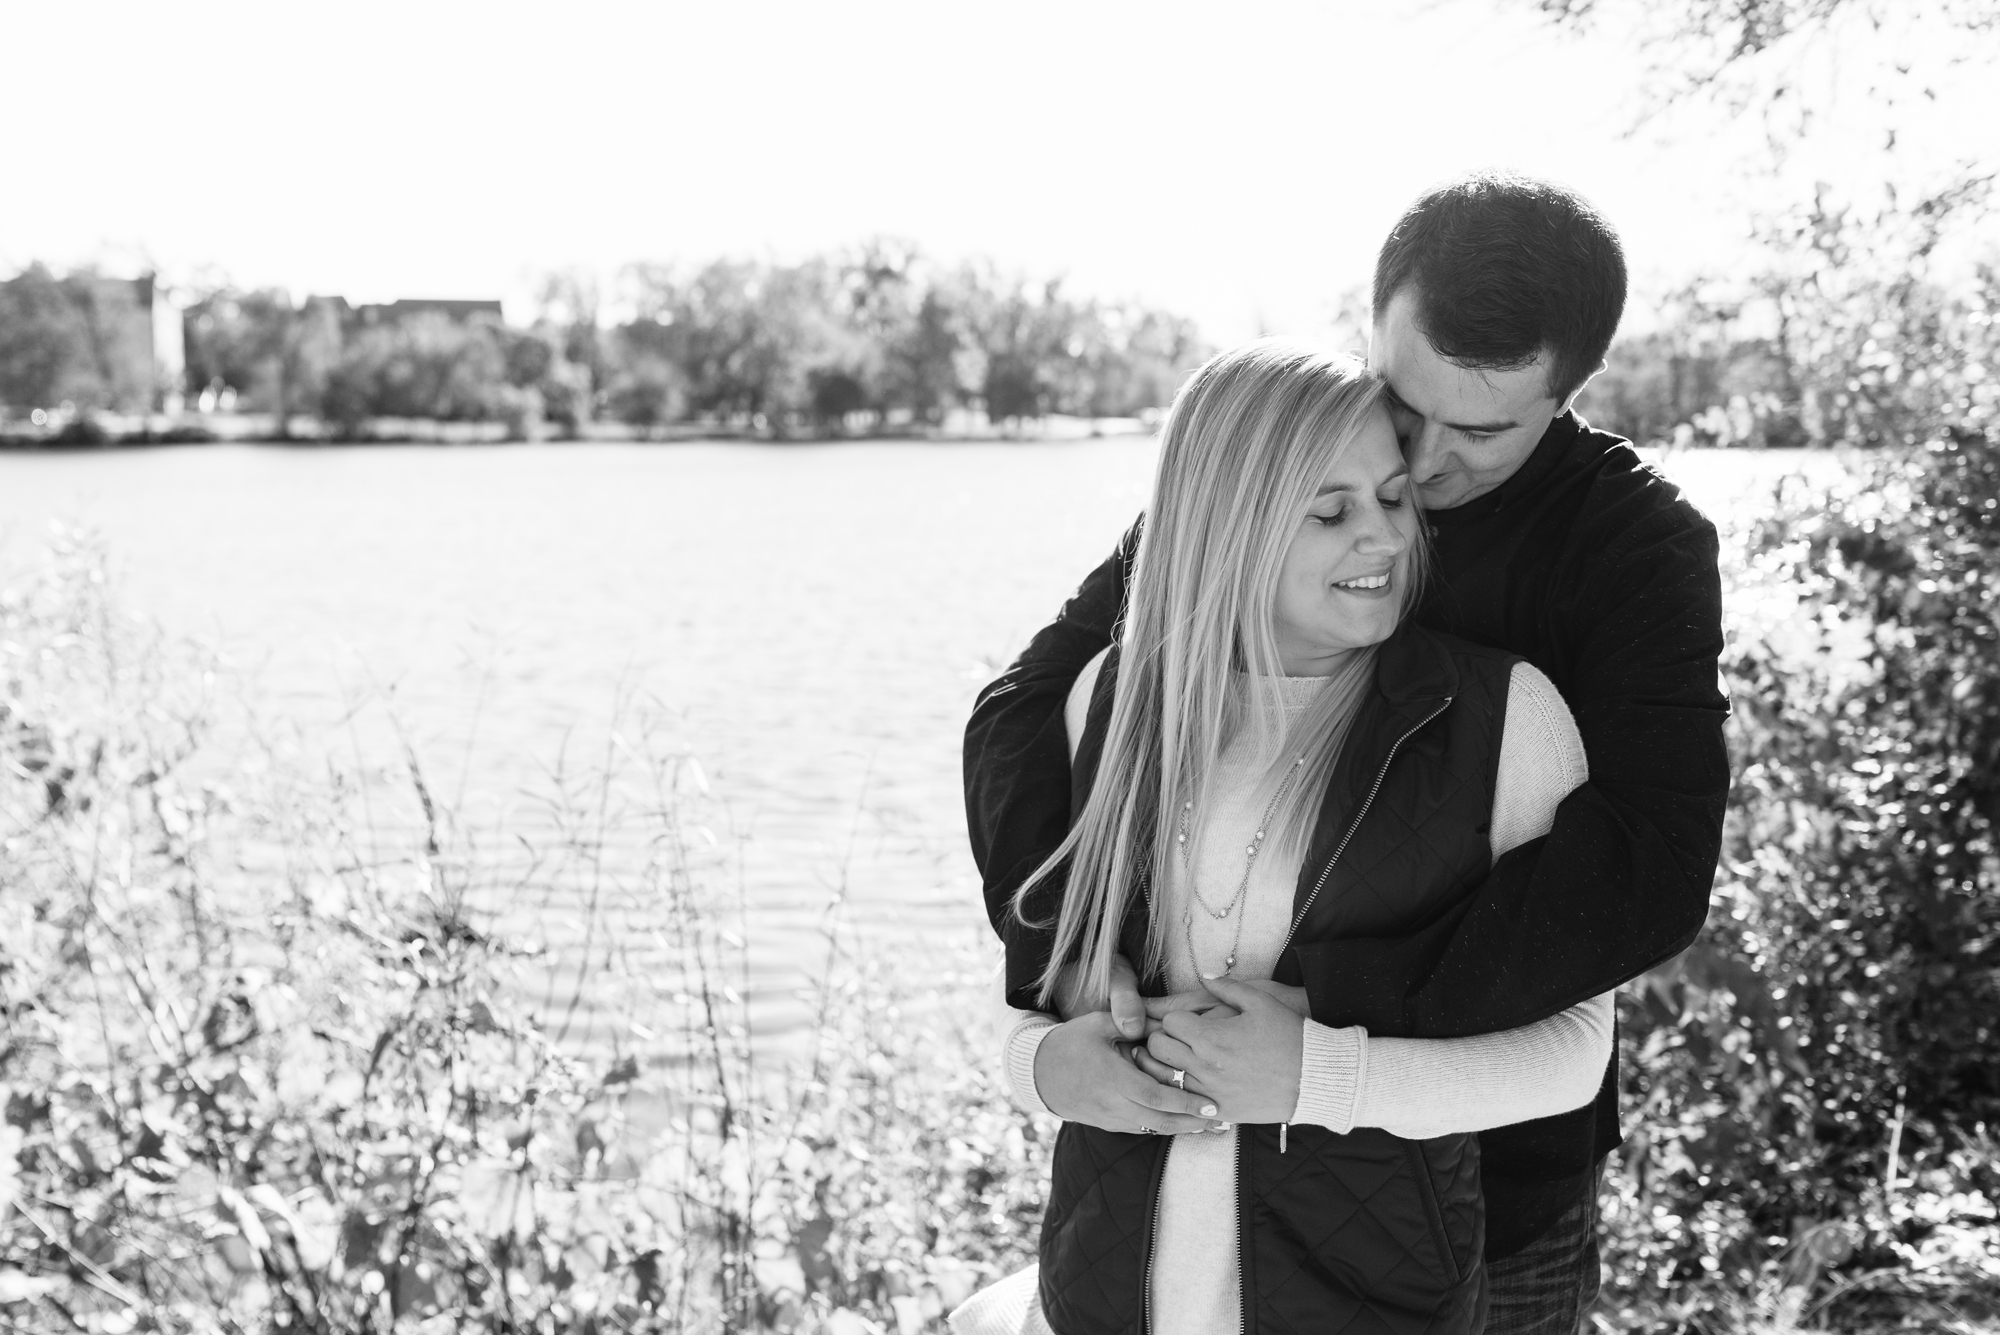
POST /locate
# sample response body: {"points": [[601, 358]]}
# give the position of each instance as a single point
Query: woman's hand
{"points": [[1083, 1074], [1201, 1000], [1245, 1054]]}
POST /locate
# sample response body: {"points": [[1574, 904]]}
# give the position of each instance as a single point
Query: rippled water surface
{"points": [[812, 620]]}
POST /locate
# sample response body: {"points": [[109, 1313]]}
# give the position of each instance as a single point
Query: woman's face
{"points": [[1342, 586]]}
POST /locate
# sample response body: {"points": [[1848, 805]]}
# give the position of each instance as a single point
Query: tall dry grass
{"points": [[268, 1062]]}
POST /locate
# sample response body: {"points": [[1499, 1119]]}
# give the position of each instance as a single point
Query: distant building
{"points": [[167, 336]]}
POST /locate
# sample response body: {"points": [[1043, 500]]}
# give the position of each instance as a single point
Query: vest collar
{"points": [[1415, 678], [1414, 668]]}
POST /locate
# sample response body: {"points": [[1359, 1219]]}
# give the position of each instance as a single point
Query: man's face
{"points": [[1464, 431]]}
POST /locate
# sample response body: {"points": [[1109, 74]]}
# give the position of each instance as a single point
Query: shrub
{"points": [[258, 1074], [647, 391], [1819, 1077], [426, 366], [83, 429]]}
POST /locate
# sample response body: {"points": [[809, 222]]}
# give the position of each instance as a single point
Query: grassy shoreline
{"points": [[320, 1107], [104, 431]]}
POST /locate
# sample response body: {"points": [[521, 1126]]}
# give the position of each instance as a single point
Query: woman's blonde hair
{"points": [[1246, 446]]}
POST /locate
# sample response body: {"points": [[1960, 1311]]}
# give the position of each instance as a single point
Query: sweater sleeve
{"points": [[1021, 1038], [1421, 1087]]}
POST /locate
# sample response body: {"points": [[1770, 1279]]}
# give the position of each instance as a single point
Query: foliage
{"points": [[278, 357], [1864, 317], [81, 339], [1697, 383], [258, 1073], [1883, 349], [1746, 54], [427, 366], [882, 333], [538, 364], [1743, 28], [1847, 335], [1816, 1078], [876, 337]]}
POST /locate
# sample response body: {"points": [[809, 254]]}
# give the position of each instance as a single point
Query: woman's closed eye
{"points": [[1335, 518]]}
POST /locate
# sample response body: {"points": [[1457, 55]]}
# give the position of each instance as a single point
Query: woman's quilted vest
{"points": [[1362, 1232]]}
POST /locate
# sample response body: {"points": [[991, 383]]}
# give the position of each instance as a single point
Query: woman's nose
{"points": [[1382, 534]]}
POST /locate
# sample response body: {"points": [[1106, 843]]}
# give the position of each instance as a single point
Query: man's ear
{"points": [[1570, 402]]}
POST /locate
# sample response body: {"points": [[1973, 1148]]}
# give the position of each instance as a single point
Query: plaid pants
{"points": [[1549, 1286]]}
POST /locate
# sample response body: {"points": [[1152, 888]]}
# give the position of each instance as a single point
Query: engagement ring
{"points": [[1180, 1080]]}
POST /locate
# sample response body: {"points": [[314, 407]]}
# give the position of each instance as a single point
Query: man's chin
{"points": [[1442, 494]]}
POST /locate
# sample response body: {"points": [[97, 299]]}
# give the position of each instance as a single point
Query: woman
{"points": [[1269, 760]]}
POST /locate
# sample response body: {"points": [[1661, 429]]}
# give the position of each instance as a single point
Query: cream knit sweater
{"points": [[1415, 1088]]}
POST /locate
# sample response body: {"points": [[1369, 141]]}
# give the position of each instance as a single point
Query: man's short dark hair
{"points": [[1503, 267]]}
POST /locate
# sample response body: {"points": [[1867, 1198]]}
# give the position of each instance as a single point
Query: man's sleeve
{"points": [[1017, 765], [1621, 882]]}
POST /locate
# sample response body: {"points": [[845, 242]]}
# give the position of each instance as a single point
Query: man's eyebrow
{"points": [[1477, 428]]}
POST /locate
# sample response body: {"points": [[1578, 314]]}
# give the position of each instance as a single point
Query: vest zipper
{"points": [[1153, 1241], [1242, 1249], [1242, 1195], [1355, 824], [1159, 1177]]}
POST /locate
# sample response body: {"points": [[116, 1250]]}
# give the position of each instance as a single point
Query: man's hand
{"points": [[1128, 1008], [1246, 1054], [1083, 1074]]}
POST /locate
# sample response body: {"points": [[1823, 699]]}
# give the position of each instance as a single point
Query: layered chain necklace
{"points": [[1242, 886]]}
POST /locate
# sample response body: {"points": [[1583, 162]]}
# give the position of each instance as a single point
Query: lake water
{"points": [[814, 621]]}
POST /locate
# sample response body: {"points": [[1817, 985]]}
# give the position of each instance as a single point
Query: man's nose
{"points": [[1406, 424]]}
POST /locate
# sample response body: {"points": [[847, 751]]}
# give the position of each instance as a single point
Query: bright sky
{"points": [[1238, 162]]}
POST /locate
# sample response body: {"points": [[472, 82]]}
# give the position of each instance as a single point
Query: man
{"points": [[1495, 299]]}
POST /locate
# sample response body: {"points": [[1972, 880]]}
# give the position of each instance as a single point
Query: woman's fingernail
{"points": [[1208, 1110]]}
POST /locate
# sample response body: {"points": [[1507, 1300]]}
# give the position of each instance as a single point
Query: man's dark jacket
{"points": [[1592, 567]]}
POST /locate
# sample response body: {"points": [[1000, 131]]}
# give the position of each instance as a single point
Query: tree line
{"points": [[879, 338], [79, 338], [876, 337]]}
